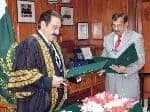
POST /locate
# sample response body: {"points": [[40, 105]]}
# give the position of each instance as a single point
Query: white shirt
{"points": [[116, 38], [58, 61]]}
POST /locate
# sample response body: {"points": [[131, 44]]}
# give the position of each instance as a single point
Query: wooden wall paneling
{"points": [[95, 16], [40, 6], [101, 11], [132, 13], [84, 11], [90, 15], [67, 32], [146, 30], [142, 26], [81, 10], [95, 10], [68, 48], [106, 17], [145, 0], [26, 29], [147, 59], [139, 20], [22, 30], [139, 16], [146, 87], [80, 15], [110, 7], [43, 5], [13, 13]]}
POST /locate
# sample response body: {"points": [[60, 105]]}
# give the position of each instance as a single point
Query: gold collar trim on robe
{"points": [[65, 73], [50, 69]]}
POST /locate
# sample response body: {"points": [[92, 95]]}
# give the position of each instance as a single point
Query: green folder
{"points": [[126, 58], [80, 70]]}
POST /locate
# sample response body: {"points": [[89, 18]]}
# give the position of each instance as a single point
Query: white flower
{"points": [[92, 106]]}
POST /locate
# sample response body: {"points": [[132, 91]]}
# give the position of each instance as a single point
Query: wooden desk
{"points": [[91, 84], [142, 77]]}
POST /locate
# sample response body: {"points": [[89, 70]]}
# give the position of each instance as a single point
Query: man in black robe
{"points": [[37, 78]]}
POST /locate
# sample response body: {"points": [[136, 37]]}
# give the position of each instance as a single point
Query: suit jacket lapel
{"points": [[126, 39], [111, 42], [125, 42], [110, 45]]}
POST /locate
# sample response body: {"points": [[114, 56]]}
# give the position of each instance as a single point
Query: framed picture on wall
{"points": [[52, 1], [26, 11], [67, 14], [65, 1], [82, 30], [97, 30]]}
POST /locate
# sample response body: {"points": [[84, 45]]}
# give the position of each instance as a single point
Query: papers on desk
{"points": [[87, 54]]}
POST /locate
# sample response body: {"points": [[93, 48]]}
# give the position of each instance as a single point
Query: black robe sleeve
{"points": [[28, 57]]}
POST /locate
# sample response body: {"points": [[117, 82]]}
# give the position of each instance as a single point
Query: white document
{"points": [[86, 51]]}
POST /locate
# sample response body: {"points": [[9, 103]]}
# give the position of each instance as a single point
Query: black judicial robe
{"points": [[30, 80]]}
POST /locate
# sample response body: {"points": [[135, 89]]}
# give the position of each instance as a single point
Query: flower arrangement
{"points": [[106, 102]]}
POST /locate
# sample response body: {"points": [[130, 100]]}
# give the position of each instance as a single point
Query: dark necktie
{"points": [[56, 56]]}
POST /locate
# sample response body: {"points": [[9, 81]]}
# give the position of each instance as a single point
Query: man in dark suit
{"points": [[37, 78]]}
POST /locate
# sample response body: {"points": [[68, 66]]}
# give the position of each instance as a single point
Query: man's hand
{"points": [[119, 69], [57, 81], [101, 72]]}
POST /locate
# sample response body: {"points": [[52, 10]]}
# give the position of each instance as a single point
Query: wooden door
{"points": [[146, 34]]}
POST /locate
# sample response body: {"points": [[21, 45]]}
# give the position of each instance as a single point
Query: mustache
{"points": [[114, 30], [55, 34]]}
